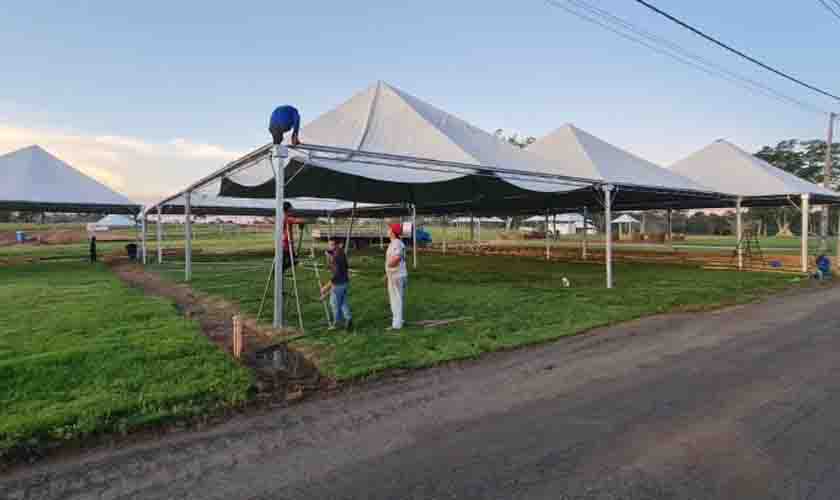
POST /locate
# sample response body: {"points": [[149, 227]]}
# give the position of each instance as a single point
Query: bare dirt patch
{"points": [[279, 370]]}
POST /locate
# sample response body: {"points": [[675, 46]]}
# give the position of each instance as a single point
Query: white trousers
{"points": [[396, 295]]}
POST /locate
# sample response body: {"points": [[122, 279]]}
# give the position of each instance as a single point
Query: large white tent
{"points": [[374, 141], [385, 146], [32, 179], [726, 167]]}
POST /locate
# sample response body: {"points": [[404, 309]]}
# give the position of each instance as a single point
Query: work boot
{"points": [[349, 325]]}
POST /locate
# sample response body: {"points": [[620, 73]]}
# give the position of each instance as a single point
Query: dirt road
{"points": [[736, 404]]}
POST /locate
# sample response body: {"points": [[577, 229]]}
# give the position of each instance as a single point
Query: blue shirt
{"points": [[285, 118], [823, 264]]}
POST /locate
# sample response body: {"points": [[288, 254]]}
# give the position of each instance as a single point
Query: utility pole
{"points": [[827, 175]]}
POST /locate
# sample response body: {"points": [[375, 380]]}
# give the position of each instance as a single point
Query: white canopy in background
{"points": [[560, 218], [625, 219], [467, 220], [114, 220], [728, 168], [582, 154], [384, 119], [31, 179]]}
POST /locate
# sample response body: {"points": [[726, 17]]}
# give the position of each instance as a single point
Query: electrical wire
{"points": [[833, 8], [753, 60], [670, 49]]}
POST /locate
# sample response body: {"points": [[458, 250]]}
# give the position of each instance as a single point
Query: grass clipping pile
{"points": [[279, 371]]}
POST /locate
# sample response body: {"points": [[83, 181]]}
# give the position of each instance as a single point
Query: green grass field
{"points": [[81, 353], [511, 302]]}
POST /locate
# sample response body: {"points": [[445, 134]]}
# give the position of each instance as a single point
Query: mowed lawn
{"points": [[81, 353], [509, 301]]}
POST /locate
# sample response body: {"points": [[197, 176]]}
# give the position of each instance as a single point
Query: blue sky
{"points": [[168, 90]]}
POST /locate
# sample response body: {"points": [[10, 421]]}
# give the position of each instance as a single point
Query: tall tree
{"points": [[803, 159]]}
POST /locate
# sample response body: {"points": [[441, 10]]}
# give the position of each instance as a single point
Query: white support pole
{"points": [[547, 242], [414, 233], [279, 159], [445, 232], [350, 228], [381, 234], [827, 167], [143, 238], [739, 231], [585, 233], [159, 227], [805, 214], [187, 236], [837, 260], [472, 229], [608, 231]]}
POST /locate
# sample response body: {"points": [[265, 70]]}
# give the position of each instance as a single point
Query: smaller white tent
{"points": [[564, 224], [626, 219], [115, 221]]}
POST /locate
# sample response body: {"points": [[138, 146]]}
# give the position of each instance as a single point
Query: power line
{"points": [[665, 47], [736, 51], [831, 7]]}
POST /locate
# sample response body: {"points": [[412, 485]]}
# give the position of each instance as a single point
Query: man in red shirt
{"points": [[288, 234]]}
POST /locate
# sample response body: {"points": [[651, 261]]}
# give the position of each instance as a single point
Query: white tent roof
{"points": [[384, 119], [114, 220], [625, 219], [728, 168], [582, 154], [33, 179]]}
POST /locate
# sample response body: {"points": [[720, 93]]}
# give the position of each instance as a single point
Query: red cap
{"points": [[396, 229]]}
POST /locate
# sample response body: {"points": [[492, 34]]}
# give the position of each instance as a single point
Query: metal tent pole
{"points": [[414, 233], [608, 231], [547, 247], [350, 228], [805, 214], [187, 236], [585, 233], [381, 234], [837, 260], [143, 238], [739, 230], [445, 231], [159, 227], [279, 160], [827, 167]]}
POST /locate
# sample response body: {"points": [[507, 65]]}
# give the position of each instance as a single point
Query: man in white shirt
{"points": [[396, 275]]}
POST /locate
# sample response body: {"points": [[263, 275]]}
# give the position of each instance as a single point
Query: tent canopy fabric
{"points": [[726, 167], [384, 119], [626, 219], [115, 220], [32, 179], [640, 183]]}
